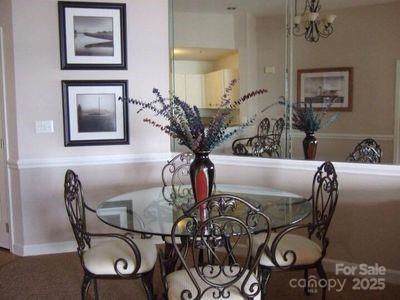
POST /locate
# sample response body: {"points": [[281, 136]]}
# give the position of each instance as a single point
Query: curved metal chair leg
{"points": [[322, 275], [265, 276], [96, 291], [147, 281], [306, 291], [85, 286]]}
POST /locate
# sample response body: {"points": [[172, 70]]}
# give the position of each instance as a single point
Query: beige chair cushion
{"points": [[100, 258], [307, 251], [179, 281], [168, 240]]}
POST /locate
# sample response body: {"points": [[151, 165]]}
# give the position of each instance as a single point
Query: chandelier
{"points": [[315, 26]]}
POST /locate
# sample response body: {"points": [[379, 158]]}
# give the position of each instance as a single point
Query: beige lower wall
{"points": [[44, 216], [365, 227]]}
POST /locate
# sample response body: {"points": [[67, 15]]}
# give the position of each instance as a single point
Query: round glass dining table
{"points": [[153, 212]]}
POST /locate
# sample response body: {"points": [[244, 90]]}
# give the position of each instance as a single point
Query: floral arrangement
{"points": [[305, 118], [185, 123]]}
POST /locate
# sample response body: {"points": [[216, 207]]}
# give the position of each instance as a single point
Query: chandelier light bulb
{"points": [[297, 20], [330, 19], [312, 17]]}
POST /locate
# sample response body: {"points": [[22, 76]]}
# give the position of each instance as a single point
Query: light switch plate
{"points": [[269, 70], [44, 126]]}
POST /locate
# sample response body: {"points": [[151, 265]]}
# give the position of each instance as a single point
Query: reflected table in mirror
{"points": [[151, 211]]}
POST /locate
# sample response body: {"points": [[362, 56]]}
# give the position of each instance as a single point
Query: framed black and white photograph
{"points": [[321, 86], [93, 115], [92, 35]]}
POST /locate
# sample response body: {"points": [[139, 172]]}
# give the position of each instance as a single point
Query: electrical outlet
{"points": [[44, 126]]}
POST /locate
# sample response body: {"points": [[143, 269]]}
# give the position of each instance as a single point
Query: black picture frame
{"points": [[82, 115], [342, 93], [74, 16]]}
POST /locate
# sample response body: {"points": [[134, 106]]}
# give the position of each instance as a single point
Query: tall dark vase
{"points": [[202, 173], [310, 144]]}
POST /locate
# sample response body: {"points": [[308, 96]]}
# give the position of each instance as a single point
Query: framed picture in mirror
{"points": [[93, 115], [326, 88], [92, 35]]}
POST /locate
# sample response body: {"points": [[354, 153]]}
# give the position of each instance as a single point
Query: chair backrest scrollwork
{"points": [[182, 159], [75, 206], [324, 198], [225, 228], [175, 174], [273, 141], [263, 127], [277, 130], [367, 151]]}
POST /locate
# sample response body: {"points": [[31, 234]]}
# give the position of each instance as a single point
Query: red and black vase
{"points": [[202, 172], [310, 144]]}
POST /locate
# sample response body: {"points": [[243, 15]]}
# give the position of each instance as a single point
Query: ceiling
{"points": [[204, 54], [261, 7]]}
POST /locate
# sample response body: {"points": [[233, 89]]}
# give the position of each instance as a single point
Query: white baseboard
{"points": [[17, 249], [88, 160], [46, 248]]}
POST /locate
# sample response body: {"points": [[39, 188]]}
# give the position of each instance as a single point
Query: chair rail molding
{"points": [[348, 136], [269, 163], [32, 163], [307, 165]]}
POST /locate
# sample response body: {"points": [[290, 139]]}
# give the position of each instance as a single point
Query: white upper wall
{"points": [[38, 76]]}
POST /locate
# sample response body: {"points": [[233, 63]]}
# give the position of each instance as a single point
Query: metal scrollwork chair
{"points": [[174, 175], [367, 151], [221, 274], [117, 257], [263, 143], [288, 251], [272, 145]]}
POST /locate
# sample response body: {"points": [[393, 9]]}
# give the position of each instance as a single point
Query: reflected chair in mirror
{"points": [[226, 273], [367, 151], [272, 146], [174, 175], [111, 255], [265, 143], [305, 249]]}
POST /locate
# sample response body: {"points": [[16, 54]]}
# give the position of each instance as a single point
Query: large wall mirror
{"points": [[341, 57]]}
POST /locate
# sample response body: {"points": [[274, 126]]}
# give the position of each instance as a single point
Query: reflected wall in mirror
{"points": [[217, 41], [249, 39], [366, 38]]}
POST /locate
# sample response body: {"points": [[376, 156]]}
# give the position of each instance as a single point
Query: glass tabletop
{"points": [[151, 211]]}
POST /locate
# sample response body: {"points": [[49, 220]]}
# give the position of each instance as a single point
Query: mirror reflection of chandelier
{"points": [[315, 26]]}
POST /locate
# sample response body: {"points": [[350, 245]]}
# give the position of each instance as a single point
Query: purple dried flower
{"points": [[185, 122]]}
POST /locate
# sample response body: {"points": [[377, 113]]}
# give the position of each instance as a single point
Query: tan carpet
{"points": [[59, 277]]}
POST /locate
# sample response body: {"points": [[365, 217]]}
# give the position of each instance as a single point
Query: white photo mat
{"points": [[70, 12], [75, 135]]}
